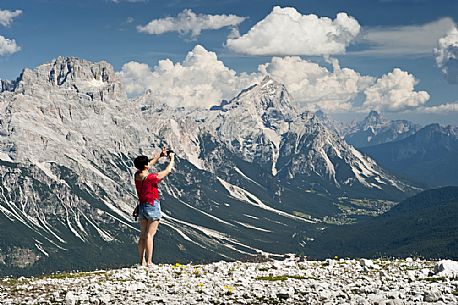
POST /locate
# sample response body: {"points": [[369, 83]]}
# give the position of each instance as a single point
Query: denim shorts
{"points": [[150, 212]]}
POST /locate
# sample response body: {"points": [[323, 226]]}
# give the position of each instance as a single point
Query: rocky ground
{"points": [[291, 281]]}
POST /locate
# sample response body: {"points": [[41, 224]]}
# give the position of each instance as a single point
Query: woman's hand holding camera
{"points": [[163, 152], [167, 153]]}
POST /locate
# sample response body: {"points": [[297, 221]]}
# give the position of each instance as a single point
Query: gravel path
{"points": [[274, 282]]}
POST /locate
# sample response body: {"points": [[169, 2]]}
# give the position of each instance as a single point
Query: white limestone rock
{"points": [[70, 298], [432, 295], [368, 264], [447, 268]]}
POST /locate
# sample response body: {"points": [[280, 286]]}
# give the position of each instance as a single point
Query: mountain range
{"points": [[376, 129], [429, 157], [253, 175], [425, 156]]}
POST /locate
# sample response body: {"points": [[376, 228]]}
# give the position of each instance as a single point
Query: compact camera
{"points": [[167, 153]]}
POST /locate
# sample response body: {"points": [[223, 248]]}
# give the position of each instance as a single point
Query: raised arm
{"points": [[168, 169], [156, 157]]}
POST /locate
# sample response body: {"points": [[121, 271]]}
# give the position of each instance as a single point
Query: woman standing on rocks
{"points": [[146, 183]]}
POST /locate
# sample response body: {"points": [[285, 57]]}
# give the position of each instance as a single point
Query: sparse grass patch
{"points": [[434, 279], [383, 261], [13, 282], [72, 275], [297, 277], [63, 275], [412, 268], [272, 278], [455, 292]]}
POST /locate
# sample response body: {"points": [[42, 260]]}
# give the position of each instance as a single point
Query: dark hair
{"points": [[140, 162]]}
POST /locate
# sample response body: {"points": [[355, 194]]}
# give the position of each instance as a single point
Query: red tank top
{"points": [[149, 191]]}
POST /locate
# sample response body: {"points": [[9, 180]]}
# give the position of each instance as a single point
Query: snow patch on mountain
{"points": [[246, 225], [247, 197]]}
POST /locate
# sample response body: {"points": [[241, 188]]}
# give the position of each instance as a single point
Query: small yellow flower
{"points": [[229, 289]]}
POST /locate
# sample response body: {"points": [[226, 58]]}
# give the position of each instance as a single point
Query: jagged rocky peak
{"points": [[265, 96], [374, 114], [337, 127], [316, 123], [65, 69], [376, 129], [318, 117], [264, 106], [374, 118], [98, 80]]}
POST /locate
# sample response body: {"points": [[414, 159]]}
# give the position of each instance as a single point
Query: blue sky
{"points": [[107, 30]]}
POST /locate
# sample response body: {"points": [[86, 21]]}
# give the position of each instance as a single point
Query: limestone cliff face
{"points": [[96, 80], [62, 127]]}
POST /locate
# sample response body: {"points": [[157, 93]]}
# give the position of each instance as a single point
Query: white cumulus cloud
{"points": [[440, 109], [314, 87], [447, 55], [6, 16], [285, 31], [394, 92], [8, 46], [188, 22], [201, 80]]}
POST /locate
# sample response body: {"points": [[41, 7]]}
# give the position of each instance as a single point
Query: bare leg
{"points": [[151, 231], [142, 241]]}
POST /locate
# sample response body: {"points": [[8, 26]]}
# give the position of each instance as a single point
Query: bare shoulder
{"points": [[138, 176]]}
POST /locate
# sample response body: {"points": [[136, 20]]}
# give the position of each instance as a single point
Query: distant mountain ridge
{"points": [[376, 129], [430, 156]]}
